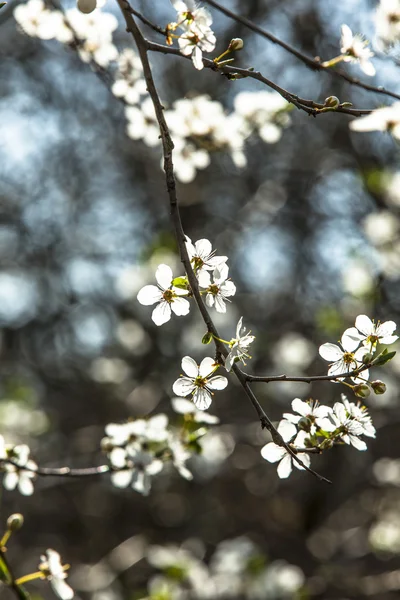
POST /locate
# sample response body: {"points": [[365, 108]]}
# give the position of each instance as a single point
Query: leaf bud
{"points": [[15, 522], [362, 390], [235, 44], [332, 101], [207, 338], [86, 6], [367, 358], [378, 386]]}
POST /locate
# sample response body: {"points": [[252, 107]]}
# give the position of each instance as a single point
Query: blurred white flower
{"points": [[165, 295], [354, 49], [381, 119], [387, 21], [129, 83], [239, 346], [54, 572], [188, 159], [264, 112], [186, 407], [134, 466], [198, 382], [16, 475], [36, 20], [142, 123]]}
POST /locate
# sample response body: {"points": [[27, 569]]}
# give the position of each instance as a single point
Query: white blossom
{"points": [[15, 475], [220, 289], [134, 466], [196, 41], [203, 258], [381, 119], [142, 123], [353, 48], [185, 407], [239, 346], [344, 359], [368, 333], [54, 572], [129, 83], [312, 411], [180, 455], [188, 159], [274, 453], [38, 21], [198, 382], [349, 428], [359, 413], [165, 295], [388, 21], [265, 112]]}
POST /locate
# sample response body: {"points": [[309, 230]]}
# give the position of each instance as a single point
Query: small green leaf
{"points": [[180, 282], [383, 358], [207, 338]]}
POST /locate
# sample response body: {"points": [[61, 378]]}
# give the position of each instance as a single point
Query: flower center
{"points": [[213, 289], [372, 339], [168, 296], [198, 263], [200, 382], [348, 358]]}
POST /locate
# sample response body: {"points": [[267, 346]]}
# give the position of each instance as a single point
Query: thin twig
{"points": [[60, 471], [167, 143], [19, 592], [307, 379], [309, 106], [312, 63]]}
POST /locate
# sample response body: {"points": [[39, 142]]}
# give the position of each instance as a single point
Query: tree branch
{"points": [[312, 63], [143, 47]]}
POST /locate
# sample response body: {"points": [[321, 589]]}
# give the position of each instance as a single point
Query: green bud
{"points": [[367, 358], [362, 390], [207, 338], [378, 386], [304, 424], [332, 101], [15, 522], [235, 44]]}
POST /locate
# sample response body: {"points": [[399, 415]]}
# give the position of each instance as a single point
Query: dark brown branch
{"points": [[309, 106], [312, 63], [143, 47]]}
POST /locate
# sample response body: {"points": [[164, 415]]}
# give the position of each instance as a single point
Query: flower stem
{"points": [[29, 577], [333, 61]]}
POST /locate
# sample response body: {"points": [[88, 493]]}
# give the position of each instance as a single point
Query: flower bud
{"points": [[304, 423], [378, 386], [235, 44], [86, 6], [367, 358], [106, 445], [362, 390], [332, 101], [15, 522], [207, 338]]}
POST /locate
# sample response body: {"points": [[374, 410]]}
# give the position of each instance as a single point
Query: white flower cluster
{"points": [[318, 427], [200, 126], [381, 119], [20, 472], [357, 348], [197, 36], [92, 32], [237, 569], [169, 297], [139, 449]]}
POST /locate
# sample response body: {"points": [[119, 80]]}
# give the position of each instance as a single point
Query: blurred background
{"points": [[311, 229]]}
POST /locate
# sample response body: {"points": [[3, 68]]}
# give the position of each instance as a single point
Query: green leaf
{"points": [[180, 282], [383, 358]]}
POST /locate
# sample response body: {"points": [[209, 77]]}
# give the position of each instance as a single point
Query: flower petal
{"points": [[182, 406], [287, 430], [162, 313], [180, 306], [61, 588], [305, 458], [220, 305], [149, 294], [121, 479], [351, 339], [203, 248], [285, 467], [302, 408], [217, 383], [202, 399], [365, 325], [164, 276], [183, 386], [330, 352], [207, 366], [272, 452], [190, 367]]}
